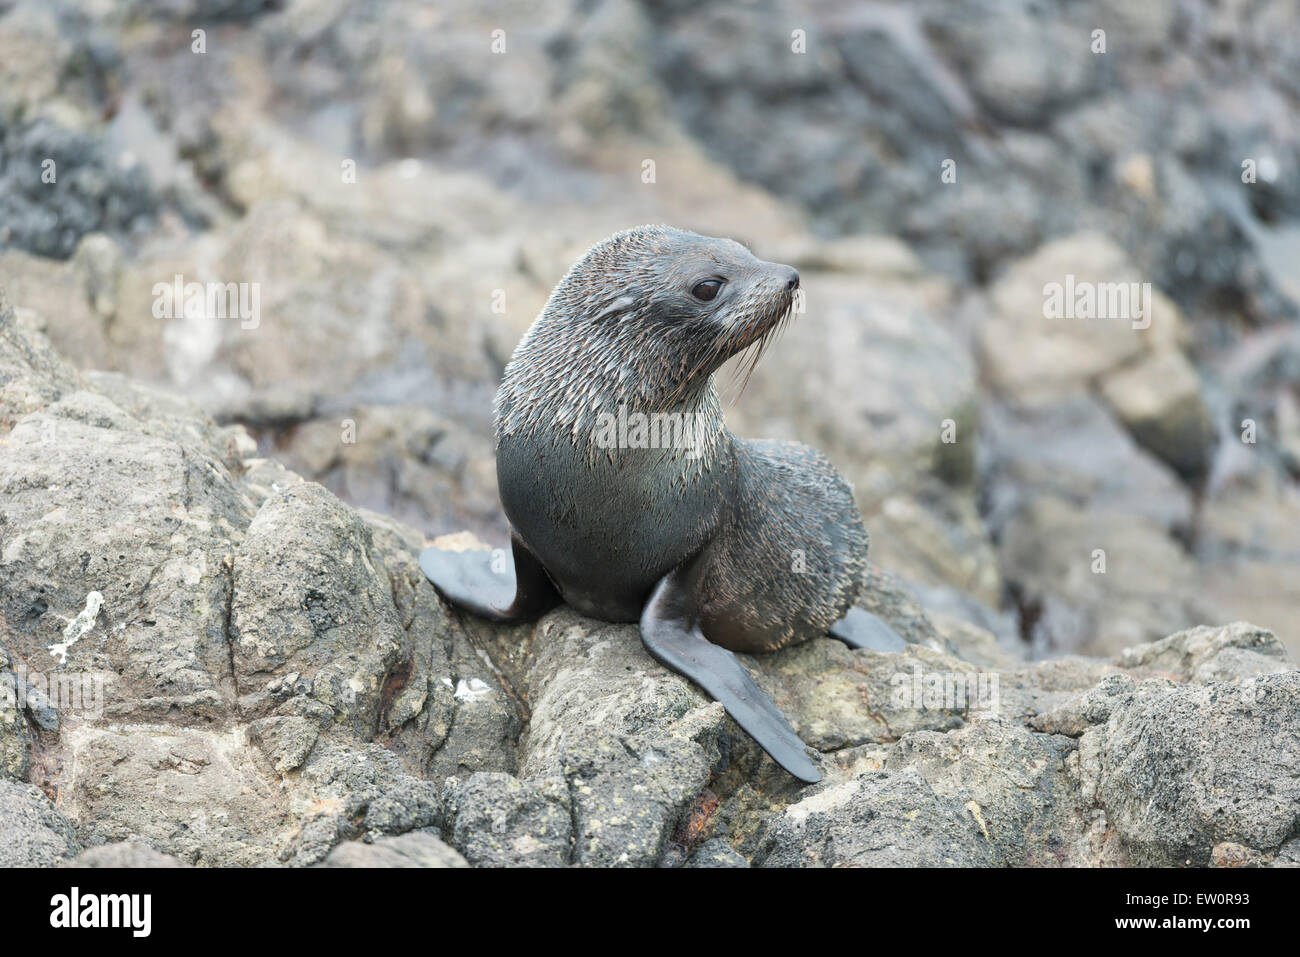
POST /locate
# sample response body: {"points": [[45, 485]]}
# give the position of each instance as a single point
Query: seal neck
{"points": [[603, 410]]}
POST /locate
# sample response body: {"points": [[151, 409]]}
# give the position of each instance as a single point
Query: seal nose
{"points": [[792, 279]]}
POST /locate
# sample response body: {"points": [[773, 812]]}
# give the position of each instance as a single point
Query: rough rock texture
{"points": [[496, 820], [125, 854], [35, 834], [262, 676], [404, 199], [416, 849], [15, 743], [1182, 768], [227, 690]]}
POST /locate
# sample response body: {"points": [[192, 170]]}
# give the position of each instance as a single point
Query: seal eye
{"points": [[706, 290]]}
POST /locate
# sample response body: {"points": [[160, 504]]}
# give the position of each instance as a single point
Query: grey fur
{"points": [[774, 542]]}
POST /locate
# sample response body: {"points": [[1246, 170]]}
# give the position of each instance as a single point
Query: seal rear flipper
{"points": [[484, 583], [861, 629], [674, 640]]}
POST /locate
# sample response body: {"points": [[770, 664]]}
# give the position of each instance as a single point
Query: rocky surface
{"points": [[124, 854], [234, 667], [416, 849], [36, 835]]}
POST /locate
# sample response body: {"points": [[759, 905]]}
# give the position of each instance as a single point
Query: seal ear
{"points": [[619, 306]]}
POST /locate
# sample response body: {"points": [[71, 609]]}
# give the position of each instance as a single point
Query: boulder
{"points": [[416, 849], [35, 833]]}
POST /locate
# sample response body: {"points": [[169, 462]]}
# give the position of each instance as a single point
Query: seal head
{"points": [[644, 318]]}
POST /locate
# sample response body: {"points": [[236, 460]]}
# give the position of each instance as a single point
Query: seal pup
{"points": [[713, 543]]}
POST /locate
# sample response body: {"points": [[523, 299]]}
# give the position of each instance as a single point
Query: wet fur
{"points": [[621, 328]]}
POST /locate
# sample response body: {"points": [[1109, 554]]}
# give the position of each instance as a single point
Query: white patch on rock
{"points": [[193, 574], [77, 627], [827, 800], [472, 690]]}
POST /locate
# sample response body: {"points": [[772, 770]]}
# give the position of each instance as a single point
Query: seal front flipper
{"points": [[676, 641], [861, 629], [490, 586]]}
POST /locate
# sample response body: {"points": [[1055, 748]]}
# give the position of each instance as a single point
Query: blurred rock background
{"points": [[481, 175]]}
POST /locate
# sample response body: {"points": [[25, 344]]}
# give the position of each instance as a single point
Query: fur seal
{"points": [[713, 543]]}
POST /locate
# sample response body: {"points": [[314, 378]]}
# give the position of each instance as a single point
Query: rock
{"points": [[620, 734], [1066, 480], [1234, 652], [215, 11], [1052, 695], [286, 741], [1098, 580], [1182, 768], [1229, 854], [1075, 451], [14, 747], [338, 287], [48, 287], [449, 708], [1031, 816], [73, 500], [349, 792], [977, 645], [1256, 374], [932, 536], [311, 598], [628, 797], [879, 256], [1249, 546], [195, 794], [91, 191], [1159, 399], [35, 834], [402, 461], [1288, 854], [882, 596], [1046, 72], [1261, 586], [717, 853], [198, 712], [125, 854], [1078, 713], [880, 819], [35, 374], [1032, 357], [31, 50], [837, 697], [416, 849], [270, 678], [496, 820], [15, 739]]}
